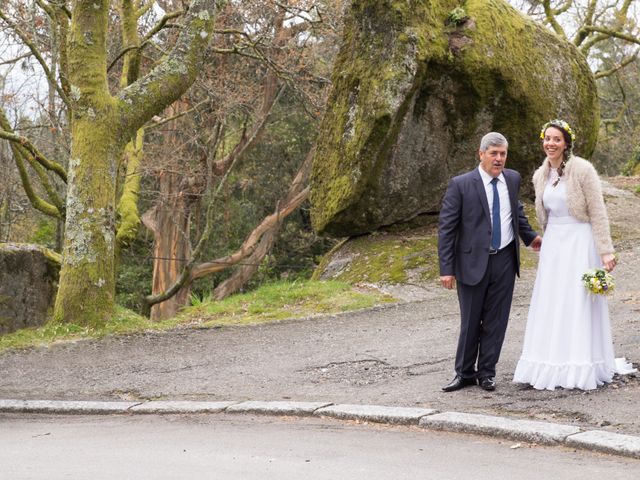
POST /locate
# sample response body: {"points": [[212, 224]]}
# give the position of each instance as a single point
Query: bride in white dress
{"points": [[567, 340]]}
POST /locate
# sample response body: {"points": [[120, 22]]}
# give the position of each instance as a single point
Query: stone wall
{"points": [[28, 283]]}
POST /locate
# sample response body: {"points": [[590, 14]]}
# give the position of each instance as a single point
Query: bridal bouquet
{"points": [[598, 282]]}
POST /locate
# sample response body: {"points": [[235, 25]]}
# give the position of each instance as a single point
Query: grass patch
{"points": [[124, 321], [271, 302], [281, 300]]}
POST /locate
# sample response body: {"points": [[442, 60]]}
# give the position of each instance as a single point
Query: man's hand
{"points": [[536, 244], [448, 282]]}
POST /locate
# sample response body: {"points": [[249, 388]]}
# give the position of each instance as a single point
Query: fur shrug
{"points": [[584, 198]]}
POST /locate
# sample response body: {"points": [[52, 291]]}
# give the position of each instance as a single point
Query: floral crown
{"points": [[561, 124]]}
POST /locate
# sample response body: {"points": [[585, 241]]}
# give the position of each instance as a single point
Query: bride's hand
{"points": [[608, 261]]}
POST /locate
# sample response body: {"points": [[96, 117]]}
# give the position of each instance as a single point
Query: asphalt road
{"points": [[396, 356], [248, 447]]}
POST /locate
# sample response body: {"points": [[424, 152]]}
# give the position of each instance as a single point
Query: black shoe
{"points": [[488, 384], [458, 382]]}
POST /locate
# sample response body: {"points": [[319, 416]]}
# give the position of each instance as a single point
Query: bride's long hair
{"points": [[568, 140]]}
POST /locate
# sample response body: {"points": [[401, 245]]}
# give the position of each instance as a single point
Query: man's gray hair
{"points": [[492, 139]]}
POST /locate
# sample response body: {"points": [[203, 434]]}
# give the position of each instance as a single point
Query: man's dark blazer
{"points": [[465, 226]]}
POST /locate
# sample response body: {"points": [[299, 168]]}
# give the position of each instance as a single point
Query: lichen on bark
{"points": [[101, 125], [87, 279]]}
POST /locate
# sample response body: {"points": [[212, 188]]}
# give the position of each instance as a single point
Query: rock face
{"points": [[416, 86], [28, 282]]}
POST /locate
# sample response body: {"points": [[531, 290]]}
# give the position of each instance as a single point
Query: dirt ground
{"points": [[393, 355]]}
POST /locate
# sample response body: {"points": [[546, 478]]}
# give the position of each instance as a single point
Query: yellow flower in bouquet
{"points": [[598, 282]]}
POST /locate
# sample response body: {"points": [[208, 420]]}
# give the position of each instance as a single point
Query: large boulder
{"points": [[28, 280], [416, 85]]}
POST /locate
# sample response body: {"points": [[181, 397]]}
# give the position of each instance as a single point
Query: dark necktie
{"points": [[495, 231]]}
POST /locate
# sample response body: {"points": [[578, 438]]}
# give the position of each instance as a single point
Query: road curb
{"points": [[375, 413], [515, 429], [608, 442], [523, 430], [160, 407], [277, 408], [67, 407]]}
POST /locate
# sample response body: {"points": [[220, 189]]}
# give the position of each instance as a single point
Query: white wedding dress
{"points": [[567, 341]]}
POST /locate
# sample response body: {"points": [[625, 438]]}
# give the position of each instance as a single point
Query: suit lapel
{"points": [[482, 194], [513, 194]]}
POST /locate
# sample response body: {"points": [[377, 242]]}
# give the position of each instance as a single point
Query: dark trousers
{"points": [[484, 313]]}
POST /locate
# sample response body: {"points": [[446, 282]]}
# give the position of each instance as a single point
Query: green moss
{"points": [[522, 77], [632, 167], [395, 53], [326, 259], [402, 254], [376, 71], [128, 214], [87, 278], [54, 258], [388, 258]]}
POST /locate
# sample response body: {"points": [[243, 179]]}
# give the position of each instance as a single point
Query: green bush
{"points": [[632, 166], [45, 233]]}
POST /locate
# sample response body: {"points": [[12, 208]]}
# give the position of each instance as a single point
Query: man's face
{"points": [[493, 159]]}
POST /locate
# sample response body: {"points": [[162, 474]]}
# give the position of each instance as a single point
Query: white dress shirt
{"points": [[506, 225]]}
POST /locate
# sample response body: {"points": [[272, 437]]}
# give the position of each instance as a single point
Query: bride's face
{"points": [[554, 143]]}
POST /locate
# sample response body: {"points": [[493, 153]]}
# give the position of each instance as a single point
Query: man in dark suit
{"points": [[480, 221]]}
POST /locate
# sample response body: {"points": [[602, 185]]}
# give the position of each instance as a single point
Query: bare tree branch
{"points": [[550, 17], [619, 66], [22, 155], [251, 263], [31, 46], [157, 121], [582, 33], [248, 245], [39, 157], [563, 8], [271, 98], [37, 202], [147, 38], [613, 33], [16, 59], [169, 80]]}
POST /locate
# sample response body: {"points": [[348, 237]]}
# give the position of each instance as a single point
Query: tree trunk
{"points": [[5, 222], [87, 279], [100, 127], [169, 222]]}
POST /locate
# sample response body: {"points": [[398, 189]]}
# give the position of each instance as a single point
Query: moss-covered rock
{"points": [[28, 281], [409, 256], [417, 84], [401, 255]]}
